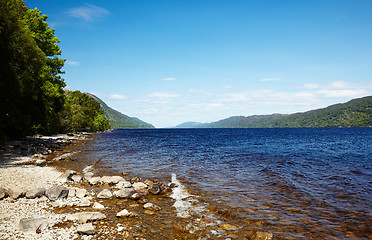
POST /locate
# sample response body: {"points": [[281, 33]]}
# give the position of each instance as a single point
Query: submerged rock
{"points": [[262, 236], [151, 206], [87, 229]]}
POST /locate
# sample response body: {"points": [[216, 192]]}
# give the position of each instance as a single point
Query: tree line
{"points": [[32, 95]]}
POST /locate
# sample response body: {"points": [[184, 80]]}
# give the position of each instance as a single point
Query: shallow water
{"points": [[295, 183]]}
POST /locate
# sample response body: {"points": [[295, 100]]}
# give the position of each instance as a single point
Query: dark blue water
{"points": [[296, 183]]}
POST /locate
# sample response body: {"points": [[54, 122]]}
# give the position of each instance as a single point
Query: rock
{"points": [[84, 202], [124, 193], [228, 226], [71, 192], [15, 193], [81, 192], [84, 217], [66, 176], [105, 193], [135, 179], [94, 180], [3, 193], [87, 229], [207, 221], [139, 187], [143, 201], [38, 156], [88, 176], [40, 162], [36, 192], [124, 213], [124, 184], [30, 225], [98, 206], [262, 236], [56, 192], [112, 179], [77, 178], [59, 204], [135, 196], [149, 183], [151, 206], [155, 190]]}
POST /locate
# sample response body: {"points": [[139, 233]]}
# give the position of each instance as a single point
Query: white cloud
{"points": [[72, 63], [169, 79], [163, 95], [89, 12], [269, 79], [200, 92], [234, 97], [343, 93], [118, 97]]}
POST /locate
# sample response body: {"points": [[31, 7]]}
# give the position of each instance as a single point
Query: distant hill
{"points": [[355, 113], [119, 120], [189, 125]]}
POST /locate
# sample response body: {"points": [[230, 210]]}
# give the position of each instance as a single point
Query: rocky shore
{"points": [[40, 202]]}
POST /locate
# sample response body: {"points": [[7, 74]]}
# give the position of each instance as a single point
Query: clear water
{"points": [[295, 183]]}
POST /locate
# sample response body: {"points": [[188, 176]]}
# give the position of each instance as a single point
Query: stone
{"points": [[94, 180], [112, 179], [3, 193], [124, 184], [84, 202], [139, 186], [124, 193], [15, 193], [59, 204], [88, 176], [98, 206], [155, 190], [135, 196], [38, 156], [87, 229], [84, 217], [207, 221], [36, 192], [40, 162], [77, 178], [228, 226], [31, 225], [149, 183], [123, 213], [66, 176], [105, 193], [56, 192], [81, 192], [262, 236], [71, 192], [151, 206]]}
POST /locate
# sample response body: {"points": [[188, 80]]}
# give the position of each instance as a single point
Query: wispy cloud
{"points": [[338, 89], [88, 13], [118, 97], [169, 79], [163, 95], [269, 79], [72, 63], [200, 92]]}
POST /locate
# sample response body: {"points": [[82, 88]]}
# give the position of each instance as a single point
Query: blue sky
{"points": [[167, 62]]}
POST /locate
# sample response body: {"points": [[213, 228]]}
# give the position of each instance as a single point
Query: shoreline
{"points": [[149, 211]]}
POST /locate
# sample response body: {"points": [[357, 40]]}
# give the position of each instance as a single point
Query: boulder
{"points": [[36, 192], [151, 206], [105, 193], [84, 202], [139, 187], [124, 193], [94, 180], [66, 176], [15, 193], [84, 217], [124, 184], [112, 179], [81, 192], [262, 236], [32, 225], [77, 178], [98, 206], [56, 192], [88, 176], [3, 193], [86, 229]]}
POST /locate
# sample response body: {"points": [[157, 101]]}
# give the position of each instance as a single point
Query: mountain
{"points": [[355, 113], [119, 120], [189, 125]]}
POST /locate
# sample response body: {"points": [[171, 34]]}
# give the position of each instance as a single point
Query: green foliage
{"points": [[355, 113], [82, 113], [119, 120]]}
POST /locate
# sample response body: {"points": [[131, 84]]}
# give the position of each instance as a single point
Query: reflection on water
{"points": [[295, 183]]}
